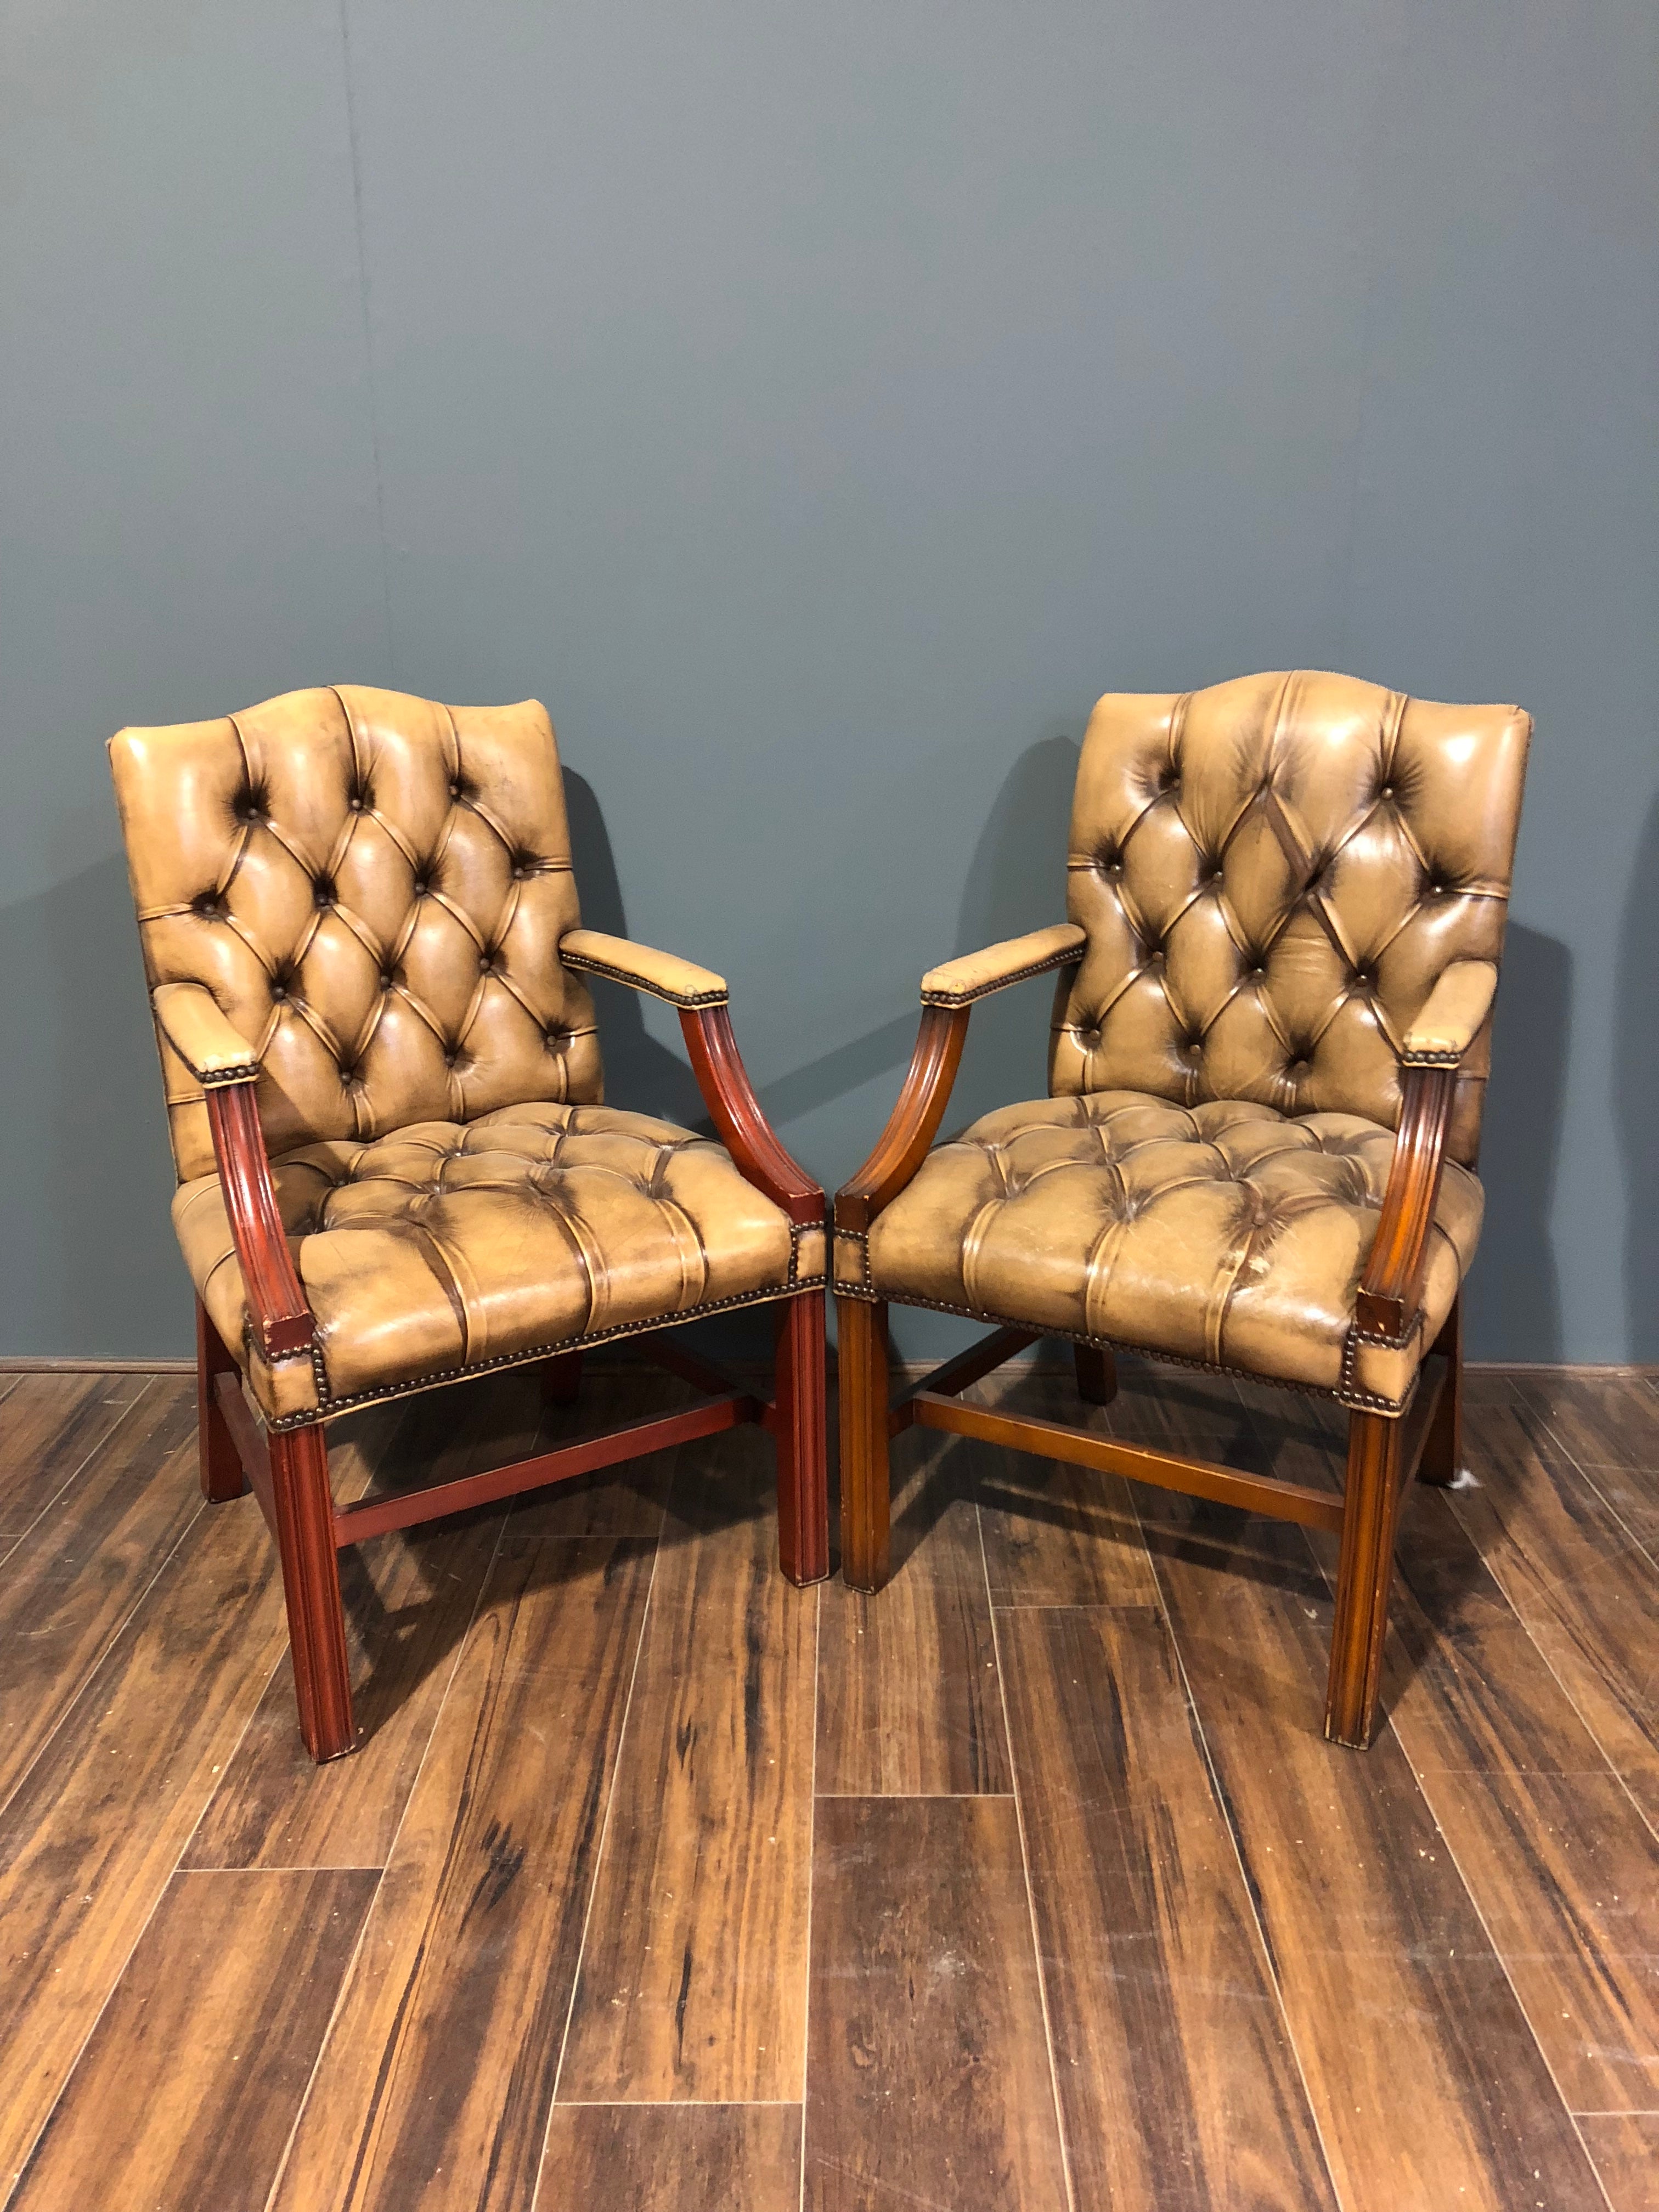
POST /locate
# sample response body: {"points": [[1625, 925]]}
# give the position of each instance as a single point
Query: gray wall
{"points": [[818, 407]]}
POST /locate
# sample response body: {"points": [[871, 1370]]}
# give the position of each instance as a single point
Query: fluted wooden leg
{"points": [[561, 1379], [1442, 1447], [311, 1585], [1364, 1578], [803, 1449], [864, 1501], [1097, 1374], [222, 1478]]}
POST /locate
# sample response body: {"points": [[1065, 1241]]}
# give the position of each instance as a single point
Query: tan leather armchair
{"points": [[1269, 1057], [395, 1165]]}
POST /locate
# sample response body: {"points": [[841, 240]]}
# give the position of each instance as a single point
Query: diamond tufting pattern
{"points": [[373, 888], [372, 891], [1273, 873], [445, 1246], [1227, 1233]]}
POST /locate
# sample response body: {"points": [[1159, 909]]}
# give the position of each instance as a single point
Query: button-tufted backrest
{"points": [[1273, 874], [374, 889]]}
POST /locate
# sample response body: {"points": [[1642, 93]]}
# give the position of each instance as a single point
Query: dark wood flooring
{"points": [[657, 1884]]}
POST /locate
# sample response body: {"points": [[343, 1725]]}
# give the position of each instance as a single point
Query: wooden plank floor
{"points": [[1029, 1883]]}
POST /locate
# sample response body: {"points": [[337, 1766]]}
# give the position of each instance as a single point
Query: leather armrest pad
{"points": [[1450, 1018], [682, 982], [208, 1043], [959, 982]]}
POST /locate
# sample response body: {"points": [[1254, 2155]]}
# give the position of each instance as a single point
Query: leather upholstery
{"points": [[358, 902], [975, 974], [682, 982], [1227, 1234], [447, 1247], [1449, 1023], [1290, 888], [372, 889], [1274, 874]]}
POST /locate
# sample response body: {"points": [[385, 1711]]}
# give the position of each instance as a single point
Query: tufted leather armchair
{"points": [[1286, 898], [395, 1165]]}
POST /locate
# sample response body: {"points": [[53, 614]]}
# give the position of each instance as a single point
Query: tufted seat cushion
{"points": [[447, 1247], [1225, 1233]]}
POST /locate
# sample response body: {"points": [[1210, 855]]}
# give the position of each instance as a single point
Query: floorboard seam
{"points": [[1474, 1906], [1219, 1795], [1025, 1865], [605, 1833], [75, 1472], [121, 1629], [350, 1974], [1583, 1717], [812, 1883]]}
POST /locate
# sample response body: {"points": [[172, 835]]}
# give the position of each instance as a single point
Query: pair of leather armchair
{"points": [[397, 1169]]}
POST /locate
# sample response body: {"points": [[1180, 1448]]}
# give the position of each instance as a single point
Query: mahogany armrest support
{"points": [[740, 1120], [1391, 1289], [948, 994], [913, 1123], [664, 974], [277, 1312]]}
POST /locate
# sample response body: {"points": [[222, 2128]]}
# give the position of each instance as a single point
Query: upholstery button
{"points": [[387, 979], [279, 991], [323, 891], [1387, 792]]}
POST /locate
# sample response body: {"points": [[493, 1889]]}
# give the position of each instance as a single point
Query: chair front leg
{"points": [[222, 1476], [1442, 1447], [311, 1587], [1370, 1502], [866, 1503], [803, 1469], [1097, 1374], [561, 1379]]}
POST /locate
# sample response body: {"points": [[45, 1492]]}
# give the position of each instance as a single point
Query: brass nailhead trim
{"points": [[1344, 1394], [328, 1406]]}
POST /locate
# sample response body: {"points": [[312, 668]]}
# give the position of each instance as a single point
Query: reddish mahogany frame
{"points": [[288, 1471], [1384, 1454]]}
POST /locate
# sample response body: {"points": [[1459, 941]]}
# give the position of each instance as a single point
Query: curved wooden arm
{"points": [[1391, 1289], [739, 1122], [913, 1123], [281, 1320]]}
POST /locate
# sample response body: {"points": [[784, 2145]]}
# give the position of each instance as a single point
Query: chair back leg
{"points": [[310, 1586], [1370, 1510], [803, 1450], [864, 1500], [1442, 1447], [1097, 1374], [222, 1478]]}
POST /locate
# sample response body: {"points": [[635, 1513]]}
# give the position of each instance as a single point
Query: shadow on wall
{"points": [[1636, 1092], [1515, 1295], [640, 1075], [1015, 882], [88, 1171]]}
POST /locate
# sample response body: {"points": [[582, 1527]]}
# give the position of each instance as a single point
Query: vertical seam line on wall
{"points": [[368, 335]]}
